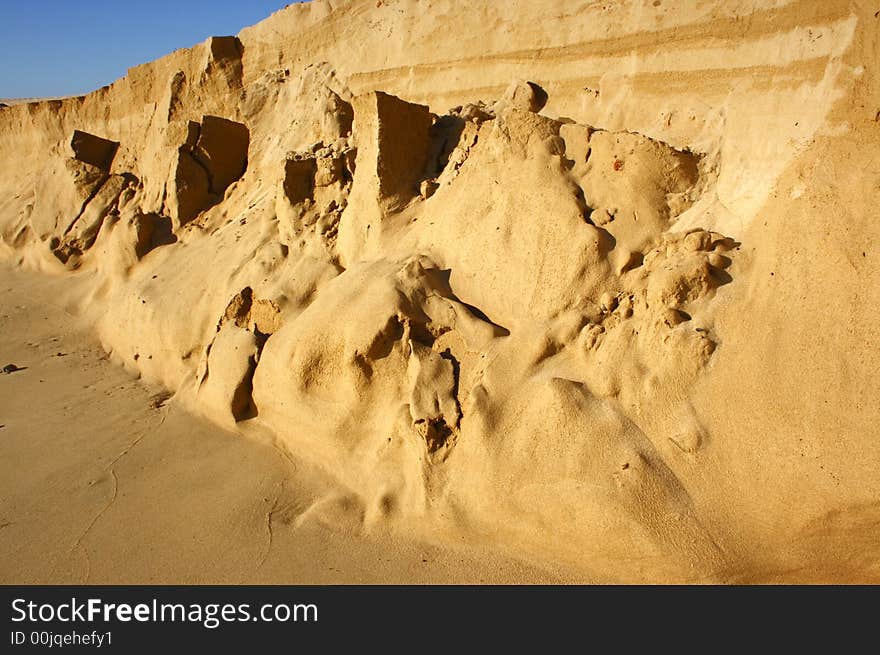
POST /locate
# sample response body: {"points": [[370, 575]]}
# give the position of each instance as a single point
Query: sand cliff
{"points": [[590, 283]]}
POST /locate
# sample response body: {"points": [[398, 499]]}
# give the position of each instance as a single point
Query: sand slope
{"points": [[109, 482], [593, 286]]}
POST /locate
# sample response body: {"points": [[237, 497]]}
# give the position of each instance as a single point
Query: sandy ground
{"points": [[103, 482], [596, 289]]}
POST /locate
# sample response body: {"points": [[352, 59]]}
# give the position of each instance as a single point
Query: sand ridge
{"points": [[522, 319]]}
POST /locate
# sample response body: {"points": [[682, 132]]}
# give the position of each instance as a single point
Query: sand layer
{"points": [[592, 289]]}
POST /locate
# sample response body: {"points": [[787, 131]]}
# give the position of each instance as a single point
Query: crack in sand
{"points": [[269, 531], [110, 468], [284, 455], [78, 543]]}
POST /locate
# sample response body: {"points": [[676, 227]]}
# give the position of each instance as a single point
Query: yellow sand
{"points": [[585, 293]]}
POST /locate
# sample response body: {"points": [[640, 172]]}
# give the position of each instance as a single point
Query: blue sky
{"points": [[68, 47]]}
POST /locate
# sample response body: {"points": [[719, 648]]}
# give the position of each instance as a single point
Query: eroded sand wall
{"points": [[633, 326]]}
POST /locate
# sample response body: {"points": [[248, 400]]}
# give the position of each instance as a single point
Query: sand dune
{"points": [[584, 293]]}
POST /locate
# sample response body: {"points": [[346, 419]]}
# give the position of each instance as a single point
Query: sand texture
{"points": [[452, 292]]}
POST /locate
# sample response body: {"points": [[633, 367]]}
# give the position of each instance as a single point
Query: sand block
{"points": [[226, 388], [94, 150]]}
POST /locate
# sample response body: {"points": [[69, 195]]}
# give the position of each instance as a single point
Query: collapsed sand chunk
{"points": [[678, 286], [213, 156], [525, 95], [222, 148], [226, 385], [265, 317], [394, 147], [608, 301], [71, 216], [87, 178], [452, 137], [472, 112], [189, 189], [226, 371], [698, 240], [577, 145], [254, 314], [239, 308], [635, 179], [601, 216], [393, 140], [427, 188], [525, 134], [86, 227], [680, 270], [683, 268], [93, 150], [312, 192]]}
